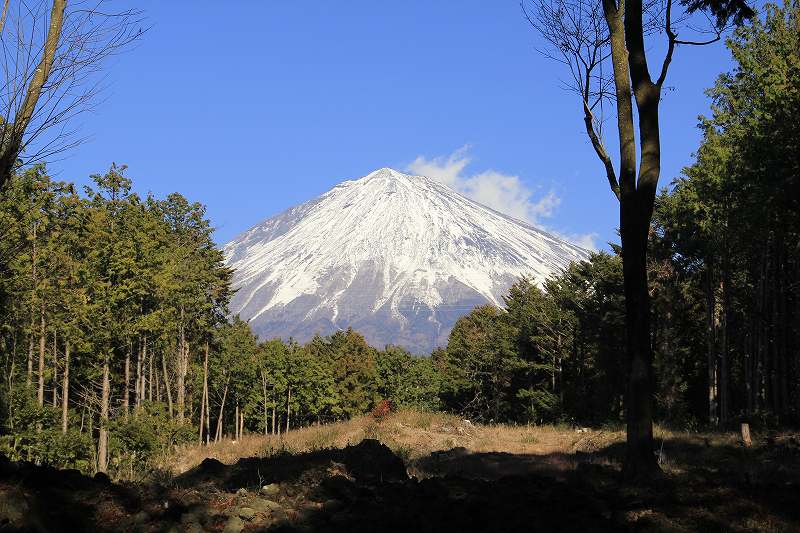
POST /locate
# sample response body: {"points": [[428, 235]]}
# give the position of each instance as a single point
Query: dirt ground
{"points": [[426, 472]]}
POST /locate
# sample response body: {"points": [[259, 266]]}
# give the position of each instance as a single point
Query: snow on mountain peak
{"points": [[395, 256]]}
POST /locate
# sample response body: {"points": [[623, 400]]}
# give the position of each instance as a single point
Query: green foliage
{"points": [[152, 433], [35, 435], [726, 235]]}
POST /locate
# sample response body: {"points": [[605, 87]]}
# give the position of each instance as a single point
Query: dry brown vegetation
{"points": [[430, 472], [711, 480], [412, 435], [415, 435]]}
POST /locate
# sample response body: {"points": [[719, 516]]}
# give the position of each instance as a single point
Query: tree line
{"points": [[116, 343], [723, 273]]}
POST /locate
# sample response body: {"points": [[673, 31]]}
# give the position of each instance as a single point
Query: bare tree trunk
{"points": [[637, 197], [139, 388], [183, 361], [288, 412], [102, 448], [264, 396], [167, 388], [150, 379], [144, 382], [221, 412], [711, 344], [205, 393], [208, 418], [29, 380], [126, 388], [13, 133], [65, 391], [274, 414], [42, 332], [236, 423], [55, 370], [724, 370]]}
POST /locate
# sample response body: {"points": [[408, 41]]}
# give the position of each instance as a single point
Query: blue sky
{"points": [[261, 105]]}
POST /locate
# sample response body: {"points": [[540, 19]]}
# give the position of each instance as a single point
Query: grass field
{"points": [[413, 471]]}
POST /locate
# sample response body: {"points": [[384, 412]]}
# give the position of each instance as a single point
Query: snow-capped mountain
{"points": [[399, 258]]}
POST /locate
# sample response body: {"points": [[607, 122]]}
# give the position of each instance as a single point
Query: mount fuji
{"points": [[397, 257]]}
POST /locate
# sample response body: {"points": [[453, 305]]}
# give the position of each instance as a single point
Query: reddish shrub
{"points": [[383, 409]]}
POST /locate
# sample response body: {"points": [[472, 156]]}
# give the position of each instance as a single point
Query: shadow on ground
{"points": [[366, 487]]}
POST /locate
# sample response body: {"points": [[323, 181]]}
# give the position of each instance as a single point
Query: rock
{"points": [[141, 517], [14, 507], [273, 506], [241, 492], [340, 488], [308, 511], [192, 517], [247, 513], [233, 525], [333, 505], [271, 490], [341, 519], [260, 506]]}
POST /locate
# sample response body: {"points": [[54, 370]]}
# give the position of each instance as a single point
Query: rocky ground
{"points": [[368, 487]]}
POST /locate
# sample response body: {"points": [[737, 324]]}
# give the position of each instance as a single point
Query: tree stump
{"points": [[746, 440]]}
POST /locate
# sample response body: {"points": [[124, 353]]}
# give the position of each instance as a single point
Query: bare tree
{"points": [[51, 58], [602, 42]]}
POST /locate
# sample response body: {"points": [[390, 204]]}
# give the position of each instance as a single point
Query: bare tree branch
{"points": [[50, 60]]}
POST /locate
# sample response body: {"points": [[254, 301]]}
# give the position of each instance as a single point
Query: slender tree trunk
{"points": [[102, 448], [711, 345], [10, 378], [150, 378], [208, 418], [183, 359], [288, 412], [138, 389], [167, 388], [144, 382], [29, 377], [236, 423], [126, 388], [29, 380], [264, 396], [724, 371], [205, 392], [221, 412], [65, 391], [42, 340], [55, 370]]}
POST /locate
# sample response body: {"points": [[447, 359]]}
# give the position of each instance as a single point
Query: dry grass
{"points": [[414, 435], [712, 482]]}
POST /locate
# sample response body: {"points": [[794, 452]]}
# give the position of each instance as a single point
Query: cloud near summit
{"points": [[505, 193], [502, 192]]}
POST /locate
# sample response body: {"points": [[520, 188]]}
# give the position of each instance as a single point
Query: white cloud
{"points": [[585, 240], [505, 193], [502, 192]]}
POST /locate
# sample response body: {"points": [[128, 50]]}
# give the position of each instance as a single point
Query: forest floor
{"points": [[426, 472]]}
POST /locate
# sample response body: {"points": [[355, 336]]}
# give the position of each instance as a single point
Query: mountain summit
{"points": [[399, 258]]}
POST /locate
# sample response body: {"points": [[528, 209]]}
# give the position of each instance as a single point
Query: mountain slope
{"points": [[397, 257]]}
